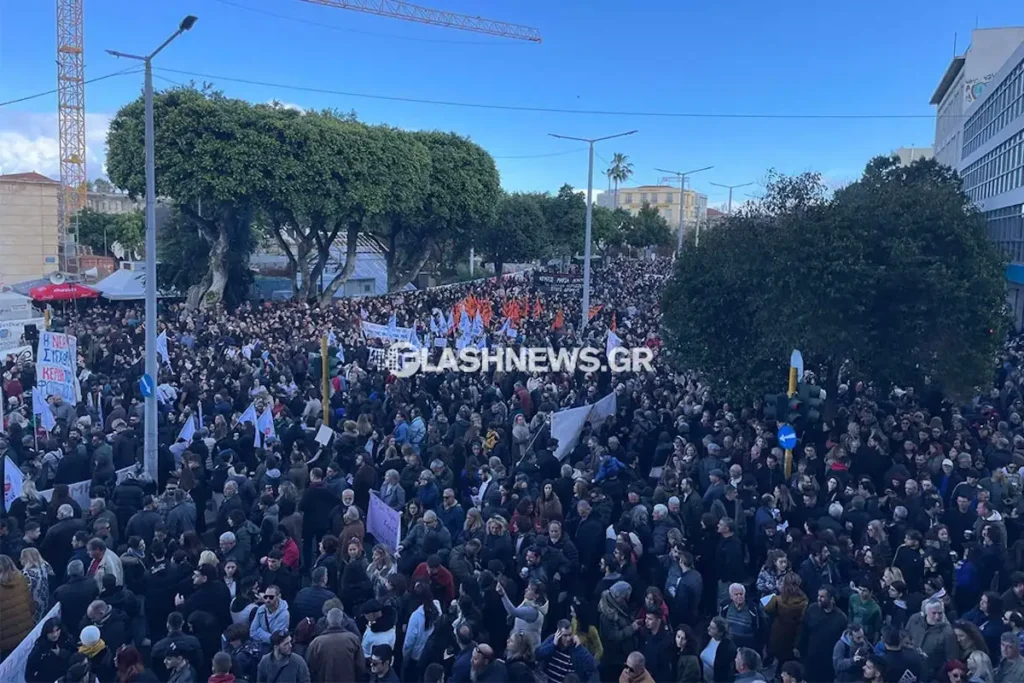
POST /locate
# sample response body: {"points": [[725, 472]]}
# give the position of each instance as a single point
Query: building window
{"points": [[629, 197], [997, 172], [1005, 227], [643, 197], [667, 215]]}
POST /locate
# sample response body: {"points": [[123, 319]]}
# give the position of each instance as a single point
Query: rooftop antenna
{"points": [[954, 43]]}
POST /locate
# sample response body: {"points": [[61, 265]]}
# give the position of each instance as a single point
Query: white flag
{"points": [[613, 342], [363, 314], [13, 482], [478, 325], [161, 348], [47, 419], [188, 430], [200, 414], [265, 424], [249, 415], [393, 321], [38, 401], [332, 340]]}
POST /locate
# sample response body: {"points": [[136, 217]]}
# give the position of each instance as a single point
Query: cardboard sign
{"points": [[384, 523]]}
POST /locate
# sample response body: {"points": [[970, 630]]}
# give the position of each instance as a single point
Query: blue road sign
{"points": [[146, 386], [787, 437]]}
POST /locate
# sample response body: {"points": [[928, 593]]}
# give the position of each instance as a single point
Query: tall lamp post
{"points": [[150, 435], [585, 317], [730, 188], [682, 199]]}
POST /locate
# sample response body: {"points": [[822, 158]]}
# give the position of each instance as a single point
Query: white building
{"points": [[988, 143], [909, 155]]}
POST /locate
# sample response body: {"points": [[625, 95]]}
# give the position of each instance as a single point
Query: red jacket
{"points": [[290, 554], [442, 584]]}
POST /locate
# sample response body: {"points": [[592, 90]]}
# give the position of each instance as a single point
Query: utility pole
{"points": [[682, 200], [150, 444], [590, 212], [730, 188]]}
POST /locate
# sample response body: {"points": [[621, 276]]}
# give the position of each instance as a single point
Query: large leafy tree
{"points": [[518, 231], [102, 230], [566, 215], [891, 279], [459, 201], [215, 157], [648, 228]]}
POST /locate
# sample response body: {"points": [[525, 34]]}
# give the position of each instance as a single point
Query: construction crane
{"points": [[397, 9], [71, 129]]}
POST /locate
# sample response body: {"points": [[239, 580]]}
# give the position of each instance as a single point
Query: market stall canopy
{"points": [[128, 283], [14, 306], [67, 291]]}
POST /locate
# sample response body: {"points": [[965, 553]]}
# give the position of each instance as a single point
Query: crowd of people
{"points": [[668, 545]]}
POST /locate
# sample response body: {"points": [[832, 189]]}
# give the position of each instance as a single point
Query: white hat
{"points": [[90, 635]]}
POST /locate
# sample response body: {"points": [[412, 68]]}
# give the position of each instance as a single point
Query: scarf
{"points": [[91, 651]]}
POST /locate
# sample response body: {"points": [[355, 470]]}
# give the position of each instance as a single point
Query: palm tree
{"points": [[621, 170]]}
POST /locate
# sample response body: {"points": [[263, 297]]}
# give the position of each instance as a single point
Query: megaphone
{"points": [[57, 278]]}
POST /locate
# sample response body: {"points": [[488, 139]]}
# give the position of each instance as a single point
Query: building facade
{"points": [[990, 159], [664, 198], [908, 155], [28, 227], [113, 202]]}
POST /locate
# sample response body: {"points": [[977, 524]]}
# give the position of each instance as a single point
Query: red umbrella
{"points": [[67, 291]]}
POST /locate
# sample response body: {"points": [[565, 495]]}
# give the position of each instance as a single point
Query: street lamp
{"points": [[730, 188], [590, 213], [682, 199], [150, 435]]}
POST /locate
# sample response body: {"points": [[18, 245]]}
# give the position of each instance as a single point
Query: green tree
{"points": [[459, 202], [566, 216], [101, 231], [648, 228], [892, 279], [518, 231], [215, 158]]}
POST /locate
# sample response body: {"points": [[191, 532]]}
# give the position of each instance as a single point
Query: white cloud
{"points": [[288, 105], [29, 142]]}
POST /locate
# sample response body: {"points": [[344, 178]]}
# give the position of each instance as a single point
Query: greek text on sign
{"points": [[559, 282], [56, 362]]}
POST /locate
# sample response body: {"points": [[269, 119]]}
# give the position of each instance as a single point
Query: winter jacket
{"points": [[336, 655], [44, 665], [74, 598], [617, 631], [309, 603], [583, 663], [18, 611], [818, 635], [937, 642], [846, 668], [265, 623], [290, 669], [788, 613]]}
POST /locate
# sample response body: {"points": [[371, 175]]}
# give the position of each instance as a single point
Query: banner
{"points": [[79, 491], [12, 670], [56, 365], [384, 523], [558, 282], [21, 354], [567, 425], [388, 333], [11, 331]]}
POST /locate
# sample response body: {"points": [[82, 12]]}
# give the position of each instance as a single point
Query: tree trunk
{"points": [[218, 272], [351, 242], [399, 278]]}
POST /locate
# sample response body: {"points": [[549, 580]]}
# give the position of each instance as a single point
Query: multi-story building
{"points": [[968, 77], [909, 155], [28, 227], [664, 198], [113, 202], [990, 155]]}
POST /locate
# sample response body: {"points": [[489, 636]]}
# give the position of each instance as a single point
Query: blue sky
{"points": [[727, 57]]}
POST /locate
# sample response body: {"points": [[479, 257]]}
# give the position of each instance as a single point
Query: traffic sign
{"points": [[146, 386], [787, 436]]}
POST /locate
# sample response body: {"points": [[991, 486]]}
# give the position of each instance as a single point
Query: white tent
{"points": [[14, 306], [123, 285]]}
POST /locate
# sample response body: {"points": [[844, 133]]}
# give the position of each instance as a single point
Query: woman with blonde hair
{"points": [[382, 565], [208, 557], [18, 609], [38, 573], [473, 527], [979, 668]]}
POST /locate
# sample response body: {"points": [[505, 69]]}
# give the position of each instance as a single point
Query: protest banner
{"points": [[11, 331], [56, 365], [21, 354], [12, 670], [559, 282], [388, 333], [79, 491], [384, 523]]}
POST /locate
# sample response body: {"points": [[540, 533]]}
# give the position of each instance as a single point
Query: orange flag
{"points": [[456, 316], [486, 312], [614, 327], [594, 310], [471, 305], [559, 320], [537, 308]]}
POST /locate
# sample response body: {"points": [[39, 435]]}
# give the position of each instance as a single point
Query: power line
{"points": [[91, 80], [333, 27], [548, 110]]}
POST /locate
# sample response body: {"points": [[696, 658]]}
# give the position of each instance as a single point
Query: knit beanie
{"points": [[620, 590], [90, 635]]}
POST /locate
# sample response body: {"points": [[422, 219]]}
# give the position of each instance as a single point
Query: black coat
{"points": [[729, 564], [213, 597], [143, 524], [309, 603], [114, 629], [56, 544], [315, 506], [74, 598], [589, 542], [819, 633], [44, 665]]}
